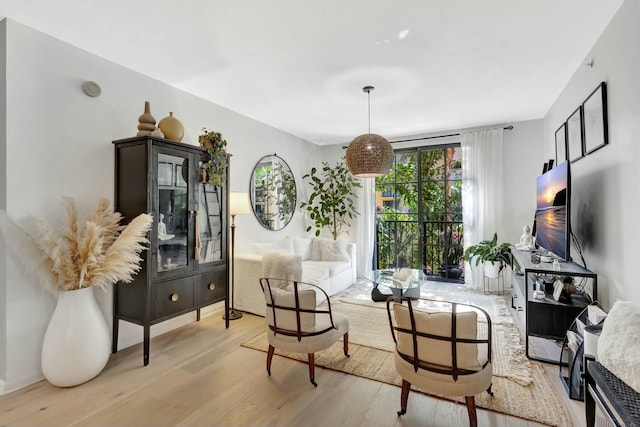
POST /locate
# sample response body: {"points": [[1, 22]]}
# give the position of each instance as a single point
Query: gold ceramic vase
{"points": [[172, 128]]}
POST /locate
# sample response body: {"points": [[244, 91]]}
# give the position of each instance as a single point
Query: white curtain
{"points": [[482, 192], [366, 225]]}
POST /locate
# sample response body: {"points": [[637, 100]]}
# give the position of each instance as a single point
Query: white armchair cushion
{"points": [[435, 351], [465, 385], [286, 319], [312, 344], [329, 250], [302, 247]]}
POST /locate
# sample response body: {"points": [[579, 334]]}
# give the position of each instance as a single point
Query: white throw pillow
{"points": [[619, 343], [302, 247], [284, 245], [329, 250]]}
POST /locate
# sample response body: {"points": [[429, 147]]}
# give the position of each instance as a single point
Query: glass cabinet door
{"points": [[172, 216], [210, 225]]}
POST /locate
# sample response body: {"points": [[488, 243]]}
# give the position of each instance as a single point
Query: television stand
{"points": [[547, 318]]}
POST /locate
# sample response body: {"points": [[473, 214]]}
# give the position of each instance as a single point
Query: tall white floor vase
{"points": [[77, 343]]}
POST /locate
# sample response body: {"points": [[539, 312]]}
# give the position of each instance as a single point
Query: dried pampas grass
{"points": [[78, 254]]}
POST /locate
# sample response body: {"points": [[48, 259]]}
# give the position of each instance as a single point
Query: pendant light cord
{"points": [[369, 108]]}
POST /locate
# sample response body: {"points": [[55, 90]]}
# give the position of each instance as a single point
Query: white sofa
{"points": [[329, 264]]}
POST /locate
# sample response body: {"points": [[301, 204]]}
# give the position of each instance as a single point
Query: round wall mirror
{"points": [[273, 192]]}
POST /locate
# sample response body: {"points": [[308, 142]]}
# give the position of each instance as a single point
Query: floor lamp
{"points": [[238, 205]]}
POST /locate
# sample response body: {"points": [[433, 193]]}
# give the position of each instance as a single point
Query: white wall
{"points": [[3, 200], [605, 196], [58, 142], [523, 159]]}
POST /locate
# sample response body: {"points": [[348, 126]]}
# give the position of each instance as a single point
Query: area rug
{"points": [[520, 386], [369, 324]]}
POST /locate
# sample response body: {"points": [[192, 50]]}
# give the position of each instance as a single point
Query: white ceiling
{"points": [[300, 65]]}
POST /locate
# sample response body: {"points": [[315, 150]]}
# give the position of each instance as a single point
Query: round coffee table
{"points": [[400, 283]]}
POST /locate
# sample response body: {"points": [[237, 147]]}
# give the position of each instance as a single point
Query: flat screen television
{"points": [[552, 223]]}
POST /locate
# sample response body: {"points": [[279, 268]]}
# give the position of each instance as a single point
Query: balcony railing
{"points": [[435, 247]]}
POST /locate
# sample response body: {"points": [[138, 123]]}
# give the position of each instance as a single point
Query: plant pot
{"points": [[450, 271], [492, 269], [77, 342]]}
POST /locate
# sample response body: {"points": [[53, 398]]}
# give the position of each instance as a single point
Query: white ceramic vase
{"points": [[77, 342], [492, 269]]}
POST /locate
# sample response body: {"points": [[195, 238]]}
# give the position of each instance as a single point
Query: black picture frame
{"points": [[575, 147], [165, 174], [561, 143], [594, 113]]}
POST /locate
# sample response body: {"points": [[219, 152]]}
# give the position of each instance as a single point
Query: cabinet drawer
{"points": [[168, 298], [210, 287]]}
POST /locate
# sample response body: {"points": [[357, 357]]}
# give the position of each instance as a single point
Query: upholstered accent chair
{"points": [[295, 324], [441, 347]]}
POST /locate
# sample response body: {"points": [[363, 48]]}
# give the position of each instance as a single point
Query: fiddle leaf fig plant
{"points": [[332, 202]]}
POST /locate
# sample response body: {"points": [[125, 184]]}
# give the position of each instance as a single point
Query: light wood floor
{"points": [[199, 375]]}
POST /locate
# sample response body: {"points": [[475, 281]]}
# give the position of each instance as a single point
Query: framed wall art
{"points": [[594, 112], [561, 144], [574, 136]]}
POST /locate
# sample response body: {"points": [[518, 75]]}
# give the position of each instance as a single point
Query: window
{"points": [[419, 212]]}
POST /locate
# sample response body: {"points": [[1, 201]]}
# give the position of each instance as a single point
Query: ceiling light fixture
{"points": [[369, 155]]}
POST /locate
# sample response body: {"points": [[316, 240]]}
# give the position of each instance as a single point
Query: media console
{"points": [[547, 318]]}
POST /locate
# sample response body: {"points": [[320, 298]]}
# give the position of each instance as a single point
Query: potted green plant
{"points": [[332, 202], [494, 256], [216, 167]]}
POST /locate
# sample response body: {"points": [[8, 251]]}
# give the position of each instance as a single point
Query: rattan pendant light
{"points": [[369, 155]]}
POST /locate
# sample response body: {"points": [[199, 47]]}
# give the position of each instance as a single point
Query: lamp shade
{"points": [[369, 156], [238, 203]]}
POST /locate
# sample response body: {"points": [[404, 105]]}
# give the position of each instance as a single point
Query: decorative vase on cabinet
{"points": [[185, 267], [172, 128]]}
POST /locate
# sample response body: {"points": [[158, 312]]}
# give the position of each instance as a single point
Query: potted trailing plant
{"points": [[70, 260], [332, 201], [216, 167], [494, 256]]}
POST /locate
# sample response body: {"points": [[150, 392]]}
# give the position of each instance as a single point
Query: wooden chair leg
{"points": [[404, 397], [269, 358], [312, 369], [489, 390], [345, 338], [471, 409]]}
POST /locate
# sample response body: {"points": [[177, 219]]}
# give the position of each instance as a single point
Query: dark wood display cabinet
{"points": [[546, 317], [185, 267]]}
